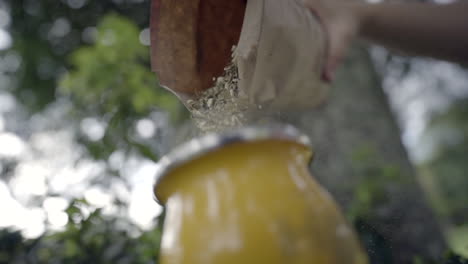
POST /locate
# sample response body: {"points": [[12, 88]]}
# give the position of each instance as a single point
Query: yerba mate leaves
{"points": [[222, 106]]}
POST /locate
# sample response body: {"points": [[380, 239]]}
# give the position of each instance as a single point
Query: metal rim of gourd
{"points": [[201, 146]]}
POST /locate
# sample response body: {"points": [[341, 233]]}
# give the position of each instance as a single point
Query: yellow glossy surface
{"points": [[253, 203]]}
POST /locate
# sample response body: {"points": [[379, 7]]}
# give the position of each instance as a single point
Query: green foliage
{"points": [[42, 49], [374, 176], [114, 72], [457, 236], [98, 58], [42, 53], [447, 170], [112, 81], [88, 238], [449, 258]]}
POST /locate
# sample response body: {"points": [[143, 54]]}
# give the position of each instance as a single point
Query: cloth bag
{"points": [[280, 55]]}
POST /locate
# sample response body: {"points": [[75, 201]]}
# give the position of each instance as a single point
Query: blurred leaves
{"points": [[94, 54], [375, 176], [447, 169], [445, 173], [114, 72], [88, 238], [89, 54], [45, 32], [111, 81], [449, 258]]}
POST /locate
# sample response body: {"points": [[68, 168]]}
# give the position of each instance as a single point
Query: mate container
{"points": [[248, 197]]}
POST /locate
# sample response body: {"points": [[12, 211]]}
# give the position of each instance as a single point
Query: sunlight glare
{"points": [[5, 40], [7, 102], [54, 208], [30, 179], [11, 146], [97, 197], [32, 223], [60, 28], [5, 18], [145, 37], [2, 123], [143, 208], [57, 219], [29, 221], [93, 129], [116, 160], [146, 128]]}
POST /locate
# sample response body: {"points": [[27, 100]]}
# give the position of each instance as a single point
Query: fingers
{"points": [[334, 56], [334, 50], [340, 34], [340, 28], [314, 6]]}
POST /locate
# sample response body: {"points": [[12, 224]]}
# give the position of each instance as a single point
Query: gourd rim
{"points": [[208, 143]]}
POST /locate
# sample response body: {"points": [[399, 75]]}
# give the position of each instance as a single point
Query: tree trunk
{"points": [[360, 159], [359, 155]]}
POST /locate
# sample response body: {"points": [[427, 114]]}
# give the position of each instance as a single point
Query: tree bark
{"points": [[357, 116]]}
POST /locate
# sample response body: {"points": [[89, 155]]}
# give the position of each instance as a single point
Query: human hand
{"points": [[340, 20]]}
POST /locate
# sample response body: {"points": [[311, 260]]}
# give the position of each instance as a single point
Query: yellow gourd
{"points": [[252, 202]]}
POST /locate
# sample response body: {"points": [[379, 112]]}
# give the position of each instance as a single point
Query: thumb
{"points": [[339, 38]]}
